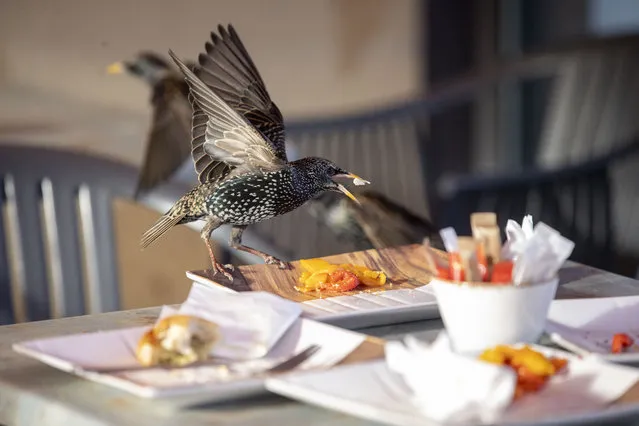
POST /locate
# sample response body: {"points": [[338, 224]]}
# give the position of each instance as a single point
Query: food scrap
{"points": [[177, 340], [620, 342], [533, 369], [320, 275]]}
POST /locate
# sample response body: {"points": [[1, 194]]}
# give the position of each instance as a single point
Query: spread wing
{"points": [[207, 168], [228, 137], [167, 144], [228, 69]]}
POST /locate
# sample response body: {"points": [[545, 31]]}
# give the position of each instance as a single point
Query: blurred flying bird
{"points": [[168, 141], [376, 222], [238, 147]]}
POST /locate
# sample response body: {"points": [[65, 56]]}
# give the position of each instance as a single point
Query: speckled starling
{"points": [[167, 146], [376, 222], [238, 147]]}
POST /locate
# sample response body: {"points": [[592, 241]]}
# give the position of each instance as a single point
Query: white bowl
{"points": [[482, 315]]}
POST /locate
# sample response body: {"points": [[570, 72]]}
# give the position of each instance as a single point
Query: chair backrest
{"points": [[57, 248], [575, 200], [592, 112], [384, 147]]}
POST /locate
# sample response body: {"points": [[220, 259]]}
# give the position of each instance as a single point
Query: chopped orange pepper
{"points": [[533, 369]]}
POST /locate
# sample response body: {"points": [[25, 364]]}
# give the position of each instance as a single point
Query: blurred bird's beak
{"points": [[115, 68], [346, 192], [356, 179]]}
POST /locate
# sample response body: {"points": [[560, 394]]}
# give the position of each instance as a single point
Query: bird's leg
{"points": [[236, 243], [211, 225]]}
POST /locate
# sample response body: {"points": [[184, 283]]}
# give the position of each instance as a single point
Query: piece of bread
{"points": [[177, 340]]}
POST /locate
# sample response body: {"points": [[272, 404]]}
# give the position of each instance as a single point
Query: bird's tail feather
{"points": [[163, 224]]}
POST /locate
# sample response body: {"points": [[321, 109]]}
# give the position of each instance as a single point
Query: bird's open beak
{"points": [[356, 179], [115, 68], [348, 193]]}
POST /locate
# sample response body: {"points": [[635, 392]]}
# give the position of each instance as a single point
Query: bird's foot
{"points": [[219, 268], [271, 260]]}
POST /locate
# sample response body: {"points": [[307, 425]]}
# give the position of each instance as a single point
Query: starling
{"points": [[167, 146], [376, 222], [238, 148]]}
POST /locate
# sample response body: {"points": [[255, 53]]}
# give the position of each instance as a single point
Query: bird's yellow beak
{"points": [[115, 68], [348, 193], [356, 179]]}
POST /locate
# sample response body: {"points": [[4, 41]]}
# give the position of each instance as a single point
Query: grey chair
{"points": [[57, 257], [57, 248]]}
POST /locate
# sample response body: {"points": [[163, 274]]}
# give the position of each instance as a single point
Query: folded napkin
{"points": [[448, 387], [250, 322]]}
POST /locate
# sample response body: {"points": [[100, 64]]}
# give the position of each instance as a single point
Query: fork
{"points": [[287, 364]]}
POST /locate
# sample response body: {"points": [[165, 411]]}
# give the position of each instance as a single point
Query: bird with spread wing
{"points": [[238, 148], [167, 146]]}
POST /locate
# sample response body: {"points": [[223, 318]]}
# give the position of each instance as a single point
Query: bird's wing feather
{"points": [[229, 138], [167, 144], [207, 168], [227, 68]]}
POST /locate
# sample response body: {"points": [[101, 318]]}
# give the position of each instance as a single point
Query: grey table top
{"points": [[35, 394]]}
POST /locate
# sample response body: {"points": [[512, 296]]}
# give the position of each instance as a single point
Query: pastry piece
{"points": [[177, 340]]}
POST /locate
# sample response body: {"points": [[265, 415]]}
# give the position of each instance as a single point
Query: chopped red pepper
{"points": [[621, 341], [443, 273], [502, 272], [341, 280]]}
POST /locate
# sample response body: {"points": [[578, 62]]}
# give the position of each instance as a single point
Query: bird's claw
{"points": [[223, 269], [271, 260]]}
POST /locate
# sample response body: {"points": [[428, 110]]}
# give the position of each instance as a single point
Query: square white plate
{"points": [[586, 326], [362, 310], [190, 385], [371, 391]]}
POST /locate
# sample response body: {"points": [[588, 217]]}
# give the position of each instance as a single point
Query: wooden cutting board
{"points": [[405, 267]]}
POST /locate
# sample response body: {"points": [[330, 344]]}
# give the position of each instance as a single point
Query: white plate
{"points": [[371, 391], [384, 307], [185, 386], [586, 326]]}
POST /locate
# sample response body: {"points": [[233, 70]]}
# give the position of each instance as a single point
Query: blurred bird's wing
{"points": [[167, 144], [227, 68], [388, 224], [228, 137]]}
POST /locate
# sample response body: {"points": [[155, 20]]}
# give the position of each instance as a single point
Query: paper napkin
{"points": [[250, 322], [537, 252], [448, 387]]}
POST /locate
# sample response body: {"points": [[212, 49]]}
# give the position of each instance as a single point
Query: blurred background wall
{"points": [[322, 57], [318, 58]]}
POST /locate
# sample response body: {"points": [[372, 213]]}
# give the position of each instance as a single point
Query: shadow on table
{"points": [[250, 402]]}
